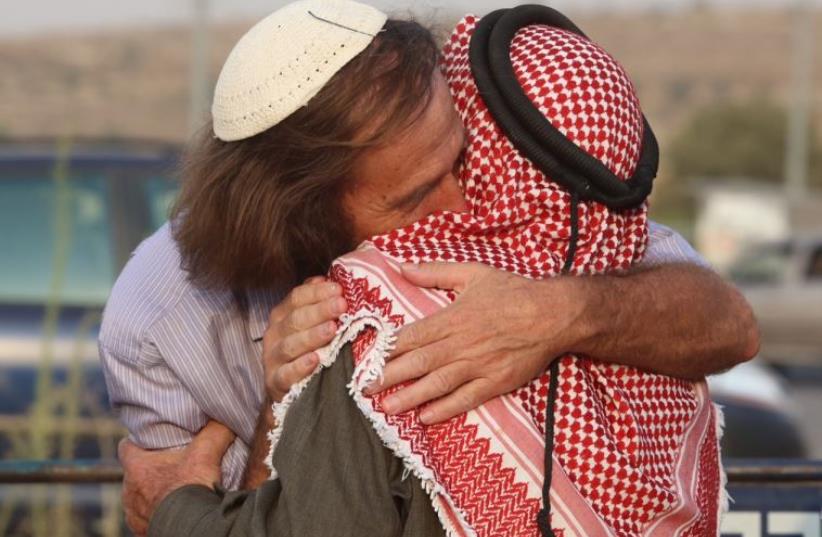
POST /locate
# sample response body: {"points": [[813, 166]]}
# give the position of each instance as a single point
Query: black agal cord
{"points": [[529, 130], [585, 177]]}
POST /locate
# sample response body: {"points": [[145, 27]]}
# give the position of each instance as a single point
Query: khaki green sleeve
{"points": [[335, 478], [195, 510]]}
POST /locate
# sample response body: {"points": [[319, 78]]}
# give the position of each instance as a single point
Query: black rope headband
{"points": [[529, 130], [585, 177]]}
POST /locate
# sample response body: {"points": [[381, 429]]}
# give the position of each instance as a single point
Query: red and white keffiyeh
{"points": [[635, 454]]}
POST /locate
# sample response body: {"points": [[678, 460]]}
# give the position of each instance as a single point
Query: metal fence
{"points": [[769, 498], [740, 472]]}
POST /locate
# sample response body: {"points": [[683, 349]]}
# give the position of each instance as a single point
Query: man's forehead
{"points": [[425, 138]]}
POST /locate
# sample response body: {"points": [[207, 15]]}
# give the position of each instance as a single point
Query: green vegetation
{"points": [[745, 140]]}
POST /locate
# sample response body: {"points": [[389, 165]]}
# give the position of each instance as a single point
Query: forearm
{"points": [[181, 513], [256, 471], [677, 319], [197, 511]]}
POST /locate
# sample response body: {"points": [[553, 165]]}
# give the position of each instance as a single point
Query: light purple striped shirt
{"points": [[175, 355]]}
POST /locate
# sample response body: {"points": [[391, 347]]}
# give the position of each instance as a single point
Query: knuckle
{"points": [[294, 346], [303, 317], [295, 297], [316, 338], [329, 309], [270, 339], [411, 334], [271, 379], [280, 379], [275, 314], [135, 521], [299, 318], [419, 363], [467, 400], [291, 321], [319, 331], [442, 382], [287, 350], [507, 373], [290, 377], [291, 324], [309, 339], [326, 311]]}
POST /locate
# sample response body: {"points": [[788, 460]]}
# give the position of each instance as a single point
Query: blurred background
{"points": [[97, 99]]}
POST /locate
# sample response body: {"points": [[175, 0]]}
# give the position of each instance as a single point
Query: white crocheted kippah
{"points": [[285, 60]]}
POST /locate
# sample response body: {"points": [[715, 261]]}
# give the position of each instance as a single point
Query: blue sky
{"points": [[46, 16]]}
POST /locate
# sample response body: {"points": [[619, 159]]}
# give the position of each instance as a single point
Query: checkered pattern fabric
{"points": [[635, 453]]}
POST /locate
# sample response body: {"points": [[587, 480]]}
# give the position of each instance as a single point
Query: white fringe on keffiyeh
{"points": [[367, 371]]}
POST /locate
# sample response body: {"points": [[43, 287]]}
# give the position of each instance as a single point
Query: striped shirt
{"points": [[175, 356]]}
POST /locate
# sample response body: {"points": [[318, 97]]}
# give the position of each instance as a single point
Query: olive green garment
{"points": [[335, 479]]}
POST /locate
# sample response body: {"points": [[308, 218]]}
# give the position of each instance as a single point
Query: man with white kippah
{"points": [[332, 123], [285, 60]]}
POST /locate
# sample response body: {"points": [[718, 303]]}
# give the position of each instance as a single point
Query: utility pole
{"points": [[199, 71], [796, 143]]}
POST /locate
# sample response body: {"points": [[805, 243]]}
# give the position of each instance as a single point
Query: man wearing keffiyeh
{"points": [[586, 449]]}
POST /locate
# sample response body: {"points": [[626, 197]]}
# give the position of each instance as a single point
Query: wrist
{"points": [[579, 315], [595, 315], [266, 420], [256, 470]]}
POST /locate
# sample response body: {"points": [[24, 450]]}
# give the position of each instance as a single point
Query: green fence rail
{"points": [[770, 497], [67, 472], [741, 472]]}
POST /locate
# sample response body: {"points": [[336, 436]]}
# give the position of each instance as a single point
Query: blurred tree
{"points": [[745, 140]]}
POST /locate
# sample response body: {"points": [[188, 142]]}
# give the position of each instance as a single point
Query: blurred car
{"points": [[761, 419], [67, 226], [783, 282]]}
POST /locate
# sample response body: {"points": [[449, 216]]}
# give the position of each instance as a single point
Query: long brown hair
{"points": [[265, 212]]}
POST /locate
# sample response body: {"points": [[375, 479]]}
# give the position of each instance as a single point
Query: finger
{"points": [[311, 293], [135, 510], [437, 384], [424, 332], [137, 513], [137, 524], [292, 373], [467, 397], [412, 365], [303, 342], [211, 442], [441, 275], [303, 295], [315, 279], [309, 316]]}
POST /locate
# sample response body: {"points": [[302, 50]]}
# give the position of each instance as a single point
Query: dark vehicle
{"points": [[783, 282], [69, 219], [761, 420]]}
